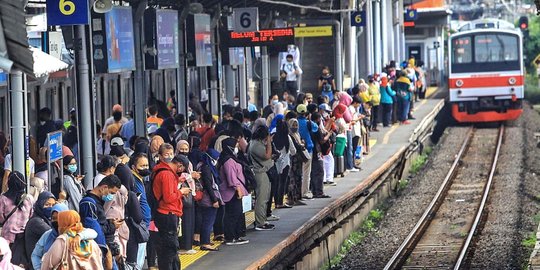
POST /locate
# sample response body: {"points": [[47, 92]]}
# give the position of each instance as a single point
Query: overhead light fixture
{"points": [[103, 6]]}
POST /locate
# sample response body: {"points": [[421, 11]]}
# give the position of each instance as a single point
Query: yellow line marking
{"points": [[372, 142], [387, 135], [430, 91]]}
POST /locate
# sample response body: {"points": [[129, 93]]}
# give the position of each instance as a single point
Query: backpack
{"points": [[153, 202]]}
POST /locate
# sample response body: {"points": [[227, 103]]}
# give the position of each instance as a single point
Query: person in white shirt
{"points": [[290, 72], [8, 169]]}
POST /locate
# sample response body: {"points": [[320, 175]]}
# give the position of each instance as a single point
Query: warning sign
{"points": [[313, 31]]}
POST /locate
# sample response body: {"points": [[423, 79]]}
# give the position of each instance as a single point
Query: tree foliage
{"points": [[531, 45]]}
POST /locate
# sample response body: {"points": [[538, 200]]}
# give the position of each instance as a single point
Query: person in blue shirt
{"points": [[128, 130], [305, 134], [141, 172]]}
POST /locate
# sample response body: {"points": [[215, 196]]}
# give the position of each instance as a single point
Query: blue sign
{"points": [[167, 39], [358, 18], [410, 15], [67, 12], [3, 78], [55, 144], [120, 41]]}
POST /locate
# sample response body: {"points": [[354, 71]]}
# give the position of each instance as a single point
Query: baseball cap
{"points": [[325, 107], [301, 108]]}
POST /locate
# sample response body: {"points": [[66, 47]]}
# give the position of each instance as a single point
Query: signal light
{"points": [[523, 23]]}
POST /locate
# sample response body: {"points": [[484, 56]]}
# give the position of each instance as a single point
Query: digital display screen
{"points": [[3, 78], [203, 40], [267, 37], [120, 42], [167, 39]]}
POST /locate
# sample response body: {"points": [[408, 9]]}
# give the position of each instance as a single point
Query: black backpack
{"points": [[153, 201]]}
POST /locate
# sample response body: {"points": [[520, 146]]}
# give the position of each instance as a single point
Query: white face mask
{"points": [[236, 102], [235, 151]]}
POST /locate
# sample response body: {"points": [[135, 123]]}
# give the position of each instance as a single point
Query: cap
{"points": [[72, 110], [59, 207], [117, 150], [117, 108], [301, 108], [325, 107], [152, 129], [117, 141]]}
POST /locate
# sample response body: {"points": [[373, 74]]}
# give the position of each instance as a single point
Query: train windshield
{"points": [[485, 52]]}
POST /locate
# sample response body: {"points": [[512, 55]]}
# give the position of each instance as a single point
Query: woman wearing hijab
{"points": [[232, 190], [294, 194], [155, 143], [21, 205], [141, 171], [72, 183], [116, 209], [134, 217], [286, 149], [40, 221], [65, 252], [5, 254], [188, 204], [211, 200]]}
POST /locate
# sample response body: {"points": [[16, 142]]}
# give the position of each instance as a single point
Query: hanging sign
{"points": [[67, 12], [358, 18]]}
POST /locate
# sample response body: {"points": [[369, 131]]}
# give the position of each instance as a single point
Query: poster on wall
{"points": [[167, 39], [119, 39], [203, 42]]}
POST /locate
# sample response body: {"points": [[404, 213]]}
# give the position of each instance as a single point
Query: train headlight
{"points": [[512, 81], [459, 83]]}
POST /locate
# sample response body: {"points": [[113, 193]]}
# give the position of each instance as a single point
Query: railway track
{"points": [[444, 233]]}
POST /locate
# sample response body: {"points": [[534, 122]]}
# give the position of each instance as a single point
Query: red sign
{"points": [[267, 37]]}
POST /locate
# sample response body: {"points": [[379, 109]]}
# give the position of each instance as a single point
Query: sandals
{"points": [[209, 248]]}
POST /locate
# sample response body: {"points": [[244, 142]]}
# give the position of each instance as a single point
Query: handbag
{"points": [[23, 197], [198, 191], [140, 230], [63, 261]]}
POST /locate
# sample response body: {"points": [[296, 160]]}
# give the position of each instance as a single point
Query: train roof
{"points": [[487, 23]]}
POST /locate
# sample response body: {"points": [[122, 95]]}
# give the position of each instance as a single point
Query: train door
{"points": [[415, 51]]}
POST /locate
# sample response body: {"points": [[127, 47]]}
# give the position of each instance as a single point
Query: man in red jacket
{"points": [[169, 197]]}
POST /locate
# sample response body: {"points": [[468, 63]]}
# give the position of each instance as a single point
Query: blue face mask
{"points": [[47, 212], [72, 168], [107, 198]]}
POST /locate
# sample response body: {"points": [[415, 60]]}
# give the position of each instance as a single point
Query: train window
{"points": [[462, 50], [495, 48]]}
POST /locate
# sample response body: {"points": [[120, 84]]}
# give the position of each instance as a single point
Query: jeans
{"points": [[317, 175], [349, 161], [233, 222], [274, 185], [283, 186], [151, 248], [328, 161], [403, 109], [263, 191], [306, 176], [168, 246], [208, 217], [387, 114]]}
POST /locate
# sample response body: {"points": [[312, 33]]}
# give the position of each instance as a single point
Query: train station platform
{"points": [[264, 244]]}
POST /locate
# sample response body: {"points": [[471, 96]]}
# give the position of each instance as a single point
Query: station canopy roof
{"points": [[45, 64], [13, 27]]}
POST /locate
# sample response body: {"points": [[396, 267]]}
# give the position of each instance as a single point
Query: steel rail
{"points": [[487, 187], [399, 256]]}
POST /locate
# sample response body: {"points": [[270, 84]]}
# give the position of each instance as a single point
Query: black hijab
{"points": [[38, 206], [227, 151], [281, 138], [16, 186]]}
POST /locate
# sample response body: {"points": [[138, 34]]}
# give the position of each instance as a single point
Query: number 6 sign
{"points": [[246, 19], [67, 12]]}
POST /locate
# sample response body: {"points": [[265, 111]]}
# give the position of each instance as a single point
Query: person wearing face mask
{"points": [[236, 102], [117, 116], [169, 197], [141, 171], [93, 213], [290, 72], [40, 221], [45, 126], [206, 132], [269, 109], [15, 211], [72, 183]]}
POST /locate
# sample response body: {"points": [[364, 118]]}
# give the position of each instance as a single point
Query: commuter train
{"points": [[486, 73]]}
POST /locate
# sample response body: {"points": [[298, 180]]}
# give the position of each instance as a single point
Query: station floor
{"points": [[384, 143]]}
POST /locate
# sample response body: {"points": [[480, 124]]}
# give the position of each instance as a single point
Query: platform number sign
{"points": [[246, 19], [358, 18], [67, 12], [410, 15]]}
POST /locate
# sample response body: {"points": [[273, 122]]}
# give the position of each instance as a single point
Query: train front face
{"points": [[486, 82]]}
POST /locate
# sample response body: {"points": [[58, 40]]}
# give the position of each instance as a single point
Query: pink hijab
{"points": [[346, 100]]}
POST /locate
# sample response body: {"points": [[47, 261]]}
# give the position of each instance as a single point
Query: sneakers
{"points": [[272, 218], [265, 227], [321, 196], [236, 242], [330, 183], [308, 195], [187, 252], [354, 170], [406, 122]]}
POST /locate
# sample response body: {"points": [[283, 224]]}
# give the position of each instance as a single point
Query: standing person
{"points": [[211, 201], [284, 145], [375, 101], [232, 191], [116, 117], [105, 167], [206, 132], [290, 71], [305, 127], [169, 197], [180, 126], [115, 209], [327, 83], [15, 211], [45, 126], [5, 256], [403, 92], [260, 152], [153, 118], [317, 167], [327, 125], [72, 183], [184, 172], [93, 216], [294, 194], [171, 102], [269, 109], [387, 101], [141, 171], [39, 223], [81, 254]]}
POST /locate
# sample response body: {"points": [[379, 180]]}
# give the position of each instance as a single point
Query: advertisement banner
{"points": [[167, 39], [203, 45], [119, 37]]}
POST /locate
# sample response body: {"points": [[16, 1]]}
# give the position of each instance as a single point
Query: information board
{"points": [[67, 12], [54, 140], [167, 39], [120, 42], [268, 37]]}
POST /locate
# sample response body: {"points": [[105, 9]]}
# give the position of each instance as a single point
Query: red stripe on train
{"points": [[486, 81]]}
